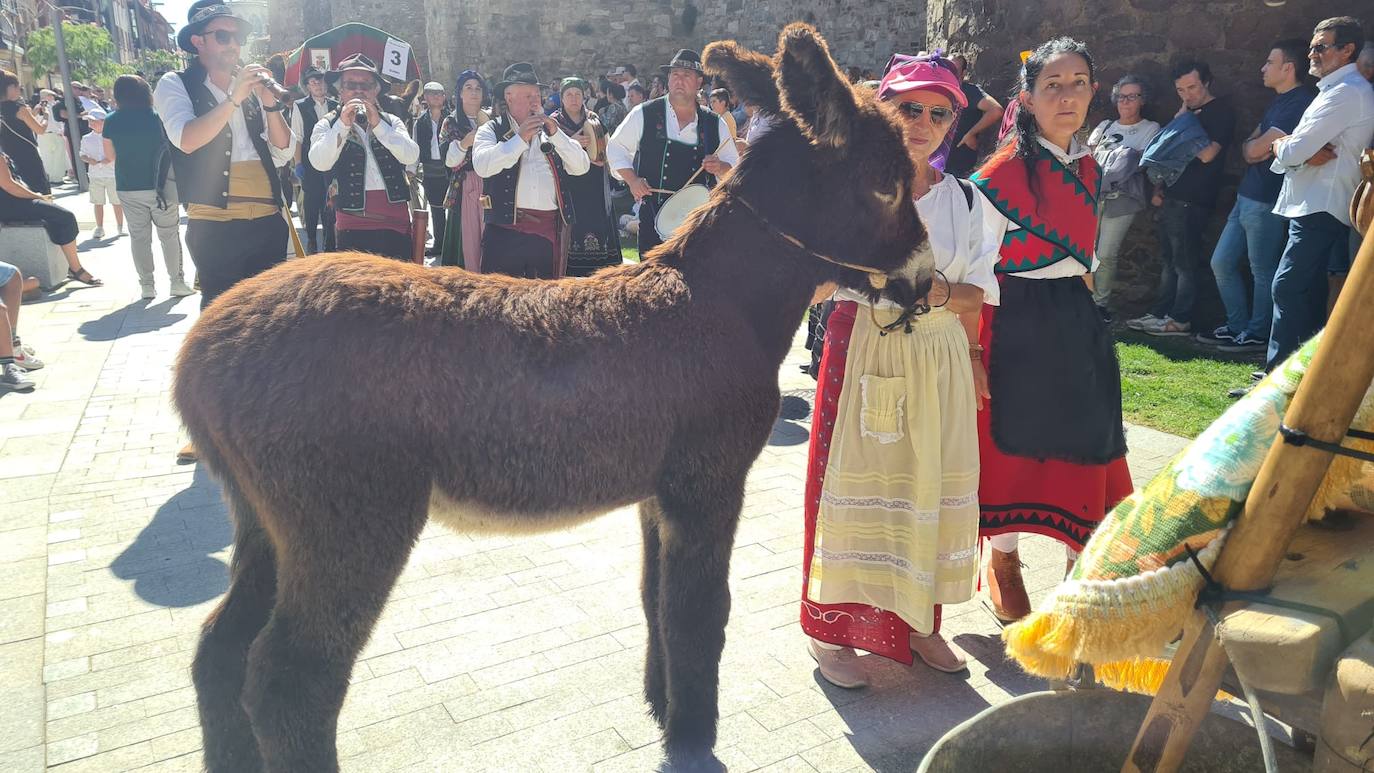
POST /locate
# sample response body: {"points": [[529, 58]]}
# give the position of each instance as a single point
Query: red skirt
{"points": [[849, 625], [1056, 498]]}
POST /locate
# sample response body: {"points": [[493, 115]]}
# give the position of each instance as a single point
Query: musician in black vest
{"points": [[663, 142], [228, 141], [368, 151], [314, 183], [524, 160], [433, 149]]}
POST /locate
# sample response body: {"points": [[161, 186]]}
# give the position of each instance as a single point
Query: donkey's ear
{"points": [[811, 87], [749, 73]]}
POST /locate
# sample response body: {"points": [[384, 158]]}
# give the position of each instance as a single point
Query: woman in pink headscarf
{"points": [[892, 480]]}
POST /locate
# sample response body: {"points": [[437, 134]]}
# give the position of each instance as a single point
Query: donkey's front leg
{"points": [[655, 673], [696, 534]]}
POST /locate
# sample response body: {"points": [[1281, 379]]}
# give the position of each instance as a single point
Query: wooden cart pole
{"points": [[1325, 403]]}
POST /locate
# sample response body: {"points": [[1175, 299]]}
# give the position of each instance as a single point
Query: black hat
{"points": [[685, 59], [355, 63], [200, 14], [311, 72], [518, 74]]}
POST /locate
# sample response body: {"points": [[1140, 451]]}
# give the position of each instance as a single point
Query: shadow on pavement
{"points": [[137, 317], [170, 562]]}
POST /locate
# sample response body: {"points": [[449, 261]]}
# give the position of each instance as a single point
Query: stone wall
{"points": [[588, 37], [1142, 37]]}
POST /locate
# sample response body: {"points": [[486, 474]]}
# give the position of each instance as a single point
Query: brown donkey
{"points": [[522, 406]]}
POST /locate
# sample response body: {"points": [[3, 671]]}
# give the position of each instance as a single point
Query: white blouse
{"points": [[996, 226], [958, 239]]}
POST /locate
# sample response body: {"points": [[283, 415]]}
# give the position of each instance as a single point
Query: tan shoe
{"points": [[839, 667], [1006, 589], [187, 454], [939, 653]]}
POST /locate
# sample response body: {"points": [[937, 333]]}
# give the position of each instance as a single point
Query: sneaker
{"points": [[149, 292], [939, 653], [839, 667], [1244, 343], [1105, 314], [1258, 375], [122, 232], [98, 233], [1221, 335], [12, 379], [1239, 392], [1169, 327], [1140, 323], [25, 359], [180, 290]]}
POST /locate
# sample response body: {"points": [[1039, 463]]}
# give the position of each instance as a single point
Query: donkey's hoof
{"points": [[686, 762]]}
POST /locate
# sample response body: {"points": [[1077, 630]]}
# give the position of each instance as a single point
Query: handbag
{"points": [[1362, 204]]}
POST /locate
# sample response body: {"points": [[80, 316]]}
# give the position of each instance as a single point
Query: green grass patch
{"points": [[1175, 385], [629, 253]]}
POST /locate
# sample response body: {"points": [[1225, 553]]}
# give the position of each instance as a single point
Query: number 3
{"points": [[396, 58]]}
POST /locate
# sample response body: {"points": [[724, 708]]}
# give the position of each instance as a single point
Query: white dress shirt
{"points": [[327, 142], [624, 144], [536, 188], [174, 107], [962, 247], [997, 225], [1342, 115]]}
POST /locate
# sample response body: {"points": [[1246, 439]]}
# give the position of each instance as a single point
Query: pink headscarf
{"points": [[929, 72]]}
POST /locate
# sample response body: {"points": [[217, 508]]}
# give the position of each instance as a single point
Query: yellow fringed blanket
{"points": [[1134, 586]]}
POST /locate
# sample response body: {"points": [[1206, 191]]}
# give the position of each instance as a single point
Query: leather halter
{"points": [[876, 277]]}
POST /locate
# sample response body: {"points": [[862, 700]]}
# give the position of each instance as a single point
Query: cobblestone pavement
{"points": [[493, 654]]}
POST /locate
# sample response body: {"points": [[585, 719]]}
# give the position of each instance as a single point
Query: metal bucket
{"points": [[1088, 731]]}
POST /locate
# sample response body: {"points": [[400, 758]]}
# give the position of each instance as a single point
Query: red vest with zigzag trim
{"points": [[1058, 219]]}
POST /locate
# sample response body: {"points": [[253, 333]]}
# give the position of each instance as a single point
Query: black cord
{"points": [[1296, 437], [1214, 593]]}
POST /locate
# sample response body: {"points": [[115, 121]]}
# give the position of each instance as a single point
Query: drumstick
{"points": [[703, 166]]}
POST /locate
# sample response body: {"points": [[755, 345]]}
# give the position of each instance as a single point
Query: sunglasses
{"points": [[914, 110], [1322, 48], [225, 37], [367, 85]]}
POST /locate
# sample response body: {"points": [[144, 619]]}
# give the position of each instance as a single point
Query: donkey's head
{"points": [[832, 173]]}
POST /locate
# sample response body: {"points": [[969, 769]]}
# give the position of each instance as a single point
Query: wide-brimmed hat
{"points": [[685, 59], [201, 13], [95, 114], [311, 72], [518, 74], [355, 63], [921, 73]]}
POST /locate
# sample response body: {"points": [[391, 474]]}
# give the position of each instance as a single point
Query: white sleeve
{"points": [[326, 143], [393, 135], [1321, 123], [296, 122], [490, 157], [173, 106], [991, 227], [575, 158], [728, 152], [280, 156], [456, 155], [983, 252], [621, 149]]}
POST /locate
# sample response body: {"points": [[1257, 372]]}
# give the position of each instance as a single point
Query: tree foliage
{"points": [[90, 51]]}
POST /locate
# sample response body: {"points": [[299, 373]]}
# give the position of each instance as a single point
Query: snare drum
{"points": [[674, 211]]}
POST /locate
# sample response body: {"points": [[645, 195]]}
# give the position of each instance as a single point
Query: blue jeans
{"points": [[1251, 230], [1180, 242], [1300, 282]]}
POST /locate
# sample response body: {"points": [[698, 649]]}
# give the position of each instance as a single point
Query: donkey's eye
{"points": [[888, 199]]}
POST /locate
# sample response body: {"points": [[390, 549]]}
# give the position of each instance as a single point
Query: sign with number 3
{"points": [[395, 59]]}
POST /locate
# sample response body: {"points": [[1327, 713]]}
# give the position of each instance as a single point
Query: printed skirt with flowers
{"points": [[892, 483]]}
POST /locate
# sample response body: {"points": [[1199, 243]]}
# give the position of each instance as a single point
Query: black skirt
{"points": [[1053, 374]]}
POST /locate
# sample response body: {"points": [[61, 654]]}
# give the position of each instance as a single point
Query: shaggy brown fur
{"points": [[519, 405]]}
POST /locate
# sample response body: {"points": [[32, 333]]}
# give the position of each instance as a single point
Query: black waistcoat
{"points": [[423, 131], [350, 171], [668, 164], [203, 176], [499, 189], [309, 117]]}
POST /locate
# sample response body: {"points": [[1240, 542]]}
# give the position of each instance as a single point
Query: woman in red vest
{"points": [[1051, 440]]}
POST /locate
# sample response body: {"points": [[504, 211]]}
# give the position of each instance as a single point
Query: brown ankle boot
{"points": [[1006, 589]]}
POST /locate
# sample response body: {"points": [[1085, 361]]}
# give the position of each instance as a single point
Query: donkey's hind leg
{"points": [[655, 673], [345, 548], [218, 670], [697, 533]]}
